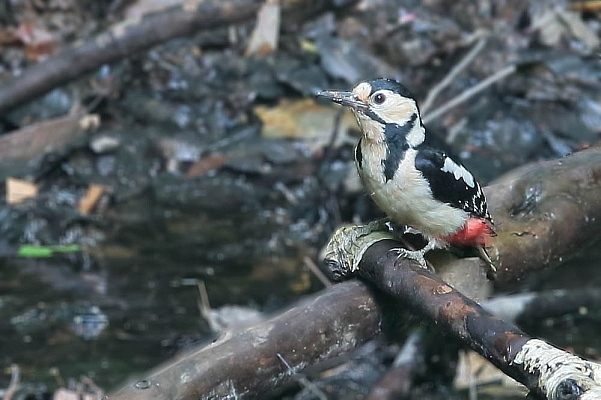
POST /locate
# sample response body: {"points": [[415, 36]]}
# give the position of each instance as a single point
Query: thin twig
{"points": [[302, 380], [316, 271], [204, 306], [457, 69], [15, 378], [467, 94], [334, 135]]}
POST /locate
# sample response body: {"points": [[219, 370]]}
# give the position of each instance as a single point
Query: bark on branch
{"points": [[545, 212], [544, 369]]}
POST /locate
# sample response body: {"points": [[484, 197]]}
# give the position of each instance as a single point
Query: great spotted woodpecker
{"points": [[415, 185]]}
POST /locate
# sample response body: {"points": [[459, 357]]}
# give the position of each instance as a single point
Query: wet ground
{"points": [[219, 167]]}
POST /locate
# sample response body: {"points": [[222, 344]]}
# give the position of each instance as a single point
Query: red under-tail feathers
{"points": [[476, 232]]}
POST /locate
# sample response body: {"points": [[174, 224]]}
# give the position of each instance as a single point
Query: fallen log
{"points": [[245, 364], [119, 42]]}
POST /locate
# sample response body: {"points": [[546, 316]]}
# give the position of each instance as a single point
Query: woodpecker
{"points": [[415, 185]]}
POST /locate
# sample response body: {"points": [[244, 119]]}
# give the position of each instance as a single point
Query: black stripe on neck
{"points": [[372, 115], [395, 137]]}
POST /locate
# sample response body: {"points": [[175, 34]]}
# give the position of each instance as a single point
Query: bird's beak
{"points": [[348, 99]]}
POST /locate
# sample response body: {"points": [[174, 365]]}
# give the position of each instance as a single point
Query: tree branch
{"points": [[546, 212], [451, 75], [469, 93], [245, 365], [544, 369]]}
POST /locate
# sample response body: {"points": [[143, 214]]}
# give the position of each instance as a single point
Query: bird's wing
{"points": [[451, 182]]}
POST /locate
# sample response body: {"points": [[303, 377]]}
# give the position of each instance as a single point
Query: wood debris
{"points": [[90, 199], [18, 190]]}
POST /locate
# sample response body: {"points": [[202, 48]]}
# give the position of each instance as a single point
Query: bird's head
{"points": [[376, 104]]}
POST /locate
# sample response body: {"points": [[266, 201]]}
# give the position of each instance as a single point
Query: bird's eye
{"points": [[379, 98]]}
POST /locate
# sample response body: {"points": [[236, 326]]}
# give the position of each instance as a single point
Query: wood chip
{"points": [[18, 190], [264, 39], [90, 199], [65, 394]]}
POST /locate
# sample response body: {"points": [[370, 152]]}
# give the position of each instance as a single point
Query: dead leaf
{"points": [[206, 164], [39, 43], [592, 6], [306, 120], [7, 36]]}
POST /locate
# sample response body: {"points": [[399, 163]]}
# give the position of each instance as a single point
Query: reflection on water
{"points": [[135, 301]]}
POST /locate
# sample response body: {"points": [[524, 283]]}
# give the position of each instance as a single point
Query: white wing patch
{"points": [[458, 171]]}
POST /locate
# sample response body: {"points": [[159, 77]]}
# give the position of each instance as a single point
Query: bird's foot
{"points": [[347, 245], [417, 255]]}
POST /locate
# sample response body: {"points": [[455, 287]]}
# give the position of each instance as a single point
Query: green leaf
{"points": [[32, 251]]}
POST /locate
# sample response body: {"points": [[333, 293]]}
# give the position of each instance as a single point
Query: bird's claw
{"points": [[416, 255], [491, 268]]}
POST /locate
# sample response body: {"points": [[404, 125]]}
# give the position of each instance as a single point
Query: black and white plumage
{"points": [[413, 184], [462, 192]]}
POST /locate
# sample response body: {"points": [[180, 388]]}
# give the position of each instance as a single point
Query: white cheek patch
{"points": [[458, 171], [397, 109]]}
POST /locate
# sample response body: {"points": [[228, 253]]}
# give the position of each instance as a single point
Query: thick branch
{"points": [[532, 307], [427, 294], [546, 212], [549, 371], [245, 365]]}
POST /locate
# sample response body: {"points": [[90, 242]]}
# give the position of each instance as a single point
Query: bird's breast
{"points": [[406, 197]]}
